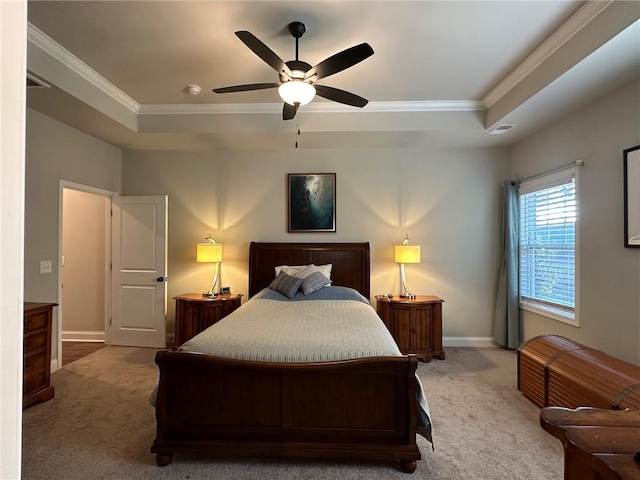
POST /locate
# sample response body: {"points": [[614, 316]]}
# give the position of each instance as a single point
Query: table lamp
{"points": [[210, 252], [406, 253]]}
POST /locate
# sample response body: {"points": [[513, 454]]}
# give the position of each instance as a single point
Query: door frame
{"points": [[107, 294]]}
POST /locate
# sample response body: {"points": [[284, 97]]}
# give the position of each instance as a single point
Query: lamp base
{"points": [[410, 296], [210, 295]]}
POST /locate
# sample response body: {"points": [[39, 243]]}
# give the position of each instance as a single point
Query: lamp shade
{"points": [[297, 91], [209, 252], [407, 253]]}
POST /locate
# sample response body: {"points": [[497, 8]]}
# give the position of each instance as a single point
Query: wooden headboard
{"points": [[350, 262]]}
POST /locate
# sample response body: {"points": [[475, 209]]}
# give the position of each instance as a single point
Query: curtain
{"points": [[507, 327]]}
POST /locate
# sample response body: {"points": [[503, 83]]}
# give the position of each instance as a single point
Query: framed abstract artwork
{"points": [[631, 157], [311, 202]]}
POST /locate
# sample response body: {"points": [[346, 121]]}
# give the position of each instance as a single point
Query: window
{"points": [[548, 245]]}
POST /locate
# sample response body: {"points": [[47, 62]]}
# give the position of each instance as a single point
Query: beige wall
{"points": [[57, 152], [84, 247], [448, 201], [609, 273]]}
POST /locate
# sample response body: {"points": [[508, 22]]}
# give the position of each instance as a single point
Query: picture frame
{"points": [[631, 159], [311, 202]]}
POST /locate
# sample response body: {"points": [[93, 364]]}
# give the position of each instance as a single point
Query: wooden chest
{"points": [[593, 378], [556, 371], [37, 353], [534, 358]]}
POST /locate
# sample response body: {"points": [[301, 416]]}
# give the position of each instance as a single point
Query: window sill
{"points": [[549, 311]]}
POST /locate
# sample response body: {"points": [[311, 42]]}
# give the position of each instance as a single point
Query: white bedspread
{"points": [[309, 331]]}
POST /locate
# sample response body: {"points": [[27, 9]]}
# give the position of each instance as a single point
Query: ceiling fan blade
{"points": [[264, 52], [340, 96], [340, 61], [289, 111], [246, 88]]}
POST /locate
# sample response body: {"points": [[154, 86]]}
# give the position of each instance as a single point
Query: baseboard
{"points": [[468, 342], [54, 365], [72, 336]]}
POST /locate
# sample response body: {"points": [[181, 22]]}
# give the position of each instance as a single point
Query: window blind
{"points": [[548, 213]]}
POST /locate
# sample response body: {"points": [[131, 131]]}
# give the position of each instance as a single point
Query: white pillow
{"points": [[303, 271]]}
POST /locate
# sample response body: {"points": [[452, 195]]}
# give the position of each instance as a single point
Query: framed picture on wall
{"points": [[632, 197], [311, 202]]}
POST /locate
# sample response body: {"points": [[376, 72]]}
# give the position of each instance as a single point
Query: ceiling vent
{"points": [[36, 82], [500, 129]]}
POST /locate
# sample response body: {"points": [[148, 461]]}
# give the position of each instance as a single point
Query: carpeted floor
{"points": [[100, 425]]}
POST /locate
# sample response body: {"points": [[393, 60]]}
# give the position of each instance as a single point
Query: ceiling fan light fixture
{"points": [[297, 92]]}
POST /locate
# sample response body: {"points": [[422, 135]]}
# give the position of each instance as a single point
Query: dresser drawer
{"points": [[35, 363], [35, 342], [35, 382], [35, 322]]}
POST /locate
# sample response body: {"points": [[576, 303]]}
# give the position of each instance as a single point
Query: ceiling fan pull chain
{"points": [[297, 130]]}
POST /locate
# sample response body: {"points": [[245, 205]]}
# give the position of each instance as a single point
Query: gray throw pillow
{"points": [[314, 282], [286, 284]]}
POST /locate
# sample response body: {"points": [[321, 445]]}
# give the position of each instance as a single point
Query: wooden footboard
{"points": [[354, 409]]}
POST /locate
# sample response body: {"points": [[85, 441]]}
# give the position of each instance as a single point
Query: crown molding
{"points": [[77, 66], [568, 30], [317, 107]]}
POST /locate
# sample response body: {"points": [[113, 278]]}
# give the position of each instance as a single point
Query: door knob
{"points": [[160, 279]]}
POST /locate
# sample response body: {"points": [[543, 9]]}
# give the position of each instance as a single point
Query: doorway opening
{"points": [[84, 281]]}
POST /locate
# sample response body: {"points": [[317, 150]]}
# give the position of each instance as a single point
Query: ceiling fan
{"points": [[297, 85]]}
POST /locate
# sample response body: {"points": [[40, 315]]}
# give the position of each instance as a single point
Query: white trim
{"points": [[57, 51], [82, 336], [315, 107], [87, 188], [13, 16], [561, 315], [477, 342], [54, 365], [568, 30]]}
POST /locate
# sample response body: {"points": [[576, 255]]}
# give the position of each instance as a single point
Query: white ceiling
{"points": [[443, 72]]}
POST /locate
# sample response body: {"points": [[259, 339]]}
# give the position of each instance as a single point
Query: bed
{"points": [[361, 408]]}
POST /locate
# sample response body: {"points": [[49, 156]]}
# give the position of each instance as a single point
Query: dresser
{"points": [[195, 313], [416, 324], [37, 353]]}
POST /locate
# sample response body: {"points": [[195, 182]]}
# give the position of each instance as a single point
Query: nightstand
{"points": [[195, 313], [416, 324]]}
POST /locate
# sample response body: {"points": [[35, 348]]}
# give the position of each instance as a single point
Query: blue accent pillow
{"points": [[286, 284], [314, 282]]}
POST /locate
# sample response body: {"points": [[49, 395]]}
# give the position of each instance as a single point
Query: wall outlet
{"points": [[45, 266]]}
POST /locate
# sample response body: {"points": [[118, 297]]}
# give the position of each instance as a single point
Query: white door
{"points": [[139, 288]]}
